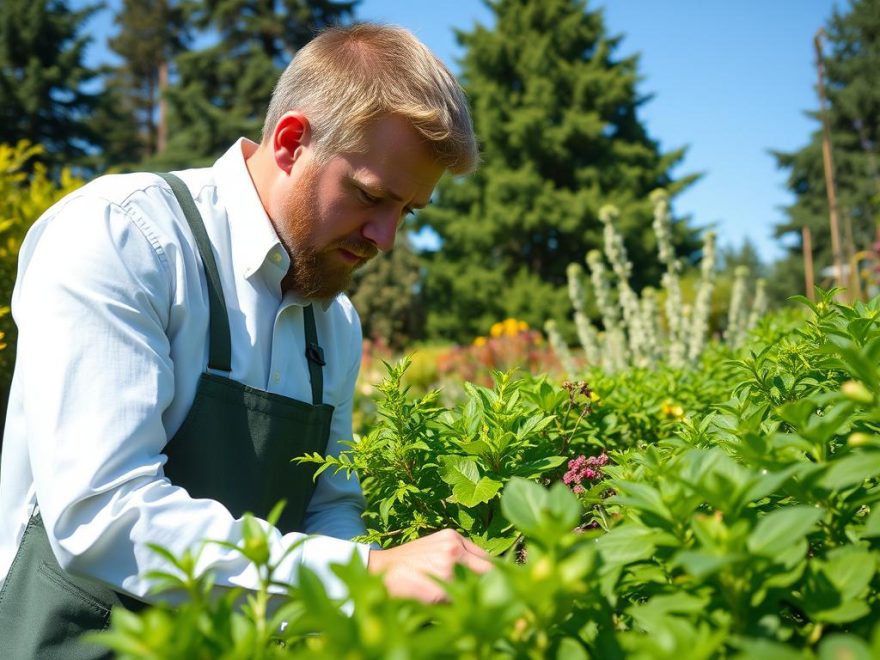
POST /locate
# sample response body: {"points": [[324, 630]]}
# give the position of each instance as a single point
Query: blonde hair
{"points": [[347, 77]]}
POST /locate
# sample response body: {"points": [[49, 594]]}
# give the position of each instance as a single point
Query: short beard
{"points": [[315, 271]]}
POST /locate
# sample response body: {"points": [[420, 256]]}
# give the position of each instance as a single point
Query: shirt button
{"points": [[276, 377]]}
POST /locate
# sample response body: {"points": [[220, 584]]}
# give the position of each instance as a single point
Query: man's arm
{"points": [[92, 304]]}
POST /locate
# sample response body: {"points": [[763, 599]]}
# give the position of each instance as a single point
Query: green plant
{"points": [[635, 334], [739, 520], [424, 467]]}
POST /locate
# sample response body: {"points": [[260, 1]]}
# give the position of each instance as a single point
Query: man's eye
{"points": [[367, 197]]}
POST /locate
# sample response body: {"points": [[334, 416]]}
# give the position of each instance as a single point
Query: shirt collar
{"points": [[255, 244]]}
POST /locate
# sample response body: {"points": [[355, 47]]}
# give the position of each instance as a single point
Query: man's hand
{"points": [[409, 568]]}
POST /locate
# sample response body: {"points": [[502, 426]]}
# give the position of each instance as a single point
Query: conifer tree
{"points": [[151, 33], [42, 79], [556, 115], [852, 84], [385, 293], [223, 90]]}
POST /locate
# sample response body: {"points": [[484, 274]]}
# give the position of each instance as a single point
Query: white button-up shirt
{"points": [[112, 311]]}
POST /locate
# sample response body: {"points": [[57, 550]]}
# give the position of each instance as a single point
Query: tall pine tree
{"points": [[151, 33], [852, 85], [223, 90], [385, 293], [556, 115], [43, 79]]}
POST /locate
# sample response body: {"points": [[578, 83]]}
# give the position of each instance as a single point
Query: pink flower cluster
{"points": [[581, 468]]}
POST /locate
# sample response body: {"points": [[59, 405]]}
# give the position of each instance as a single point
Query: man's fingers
{"points": [[475, 563], [473, 548], [473, 556]]}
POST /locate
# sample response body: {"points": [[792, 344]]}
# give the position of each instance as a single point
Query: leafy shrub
{"points": [[747, 528], [424, 468]]}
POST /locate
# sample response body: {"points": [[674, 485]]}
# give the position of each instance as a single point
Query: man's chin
{"points": [[324, 289]]}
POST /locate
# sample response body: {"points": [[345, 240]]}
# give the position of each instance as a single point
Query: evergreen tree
{"points": [[42, 78], [852, 85], [556, 115], [151, 33], [746, 254], [223, 90], [385, 293]]}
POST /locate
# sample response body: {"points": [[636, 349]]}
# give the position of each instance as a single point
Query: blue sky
{"points": [[729, 80]]}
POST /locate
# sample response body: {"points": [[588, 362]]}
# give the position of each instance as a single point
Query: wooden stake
{"points": [[809, 281], [828, 163]]}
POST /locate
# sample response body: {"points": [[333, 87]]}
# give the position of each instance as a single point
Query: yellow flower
{"points": [[672, 410], [480, 341], [522, 326], [594, 397], [497, 330], [511, 327]]}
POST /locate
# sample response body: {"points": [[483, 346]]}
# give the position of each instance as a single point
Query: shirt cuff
{"points": [[319, 553]]}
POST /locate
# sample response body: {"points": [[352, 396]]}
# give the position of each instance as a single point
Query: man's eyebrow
{"points": [[380, 190]]}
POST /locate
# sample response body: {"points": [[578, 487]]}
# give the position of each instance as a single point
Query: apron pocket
{"points": [[67, 611], [61, 581]]}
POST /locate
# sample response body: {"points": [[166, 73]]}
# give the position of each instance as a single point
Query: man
{"points": [[182, 338]]}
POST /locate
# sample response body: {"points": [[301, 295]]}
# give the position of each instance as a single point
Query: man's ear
{"points": [[288, 139]]}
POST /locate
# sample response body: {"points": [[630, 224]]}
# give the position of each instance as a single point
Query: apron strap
{"points": [[314, 355], [220, 344]]}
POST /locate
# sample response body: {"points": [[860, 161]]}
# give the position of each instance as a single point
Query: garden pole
{"points": [[828, 163], [809, 282]]}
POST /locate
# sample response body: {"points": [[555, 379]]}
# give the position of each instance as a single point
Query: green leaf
{"points": [[781, 528], [844, 647], [476, 448], [701, 564], [535, 469], [465, 519], [523, 503], [627, 543], [276, 511], [872, 524], [758, 649], [386, 506], [496, 546], [767, 483], [468, 488], [851, 470], [571, 649], [534, 424], [852, 610], [545, 517], [564, 507], [850, 570], [642, 497]]}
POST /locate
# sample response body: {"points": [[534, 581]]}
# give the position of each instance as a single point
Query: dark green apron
{"points": [[235, 446]]}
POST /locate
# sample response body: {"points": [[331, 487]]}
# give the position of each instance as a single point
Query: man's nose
{"points": [[380, 230]]}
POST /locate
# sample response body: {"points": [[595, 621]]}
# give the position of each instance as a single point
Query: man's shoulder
{"points": [[144, 197], [135, 188], [342, 308]]}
